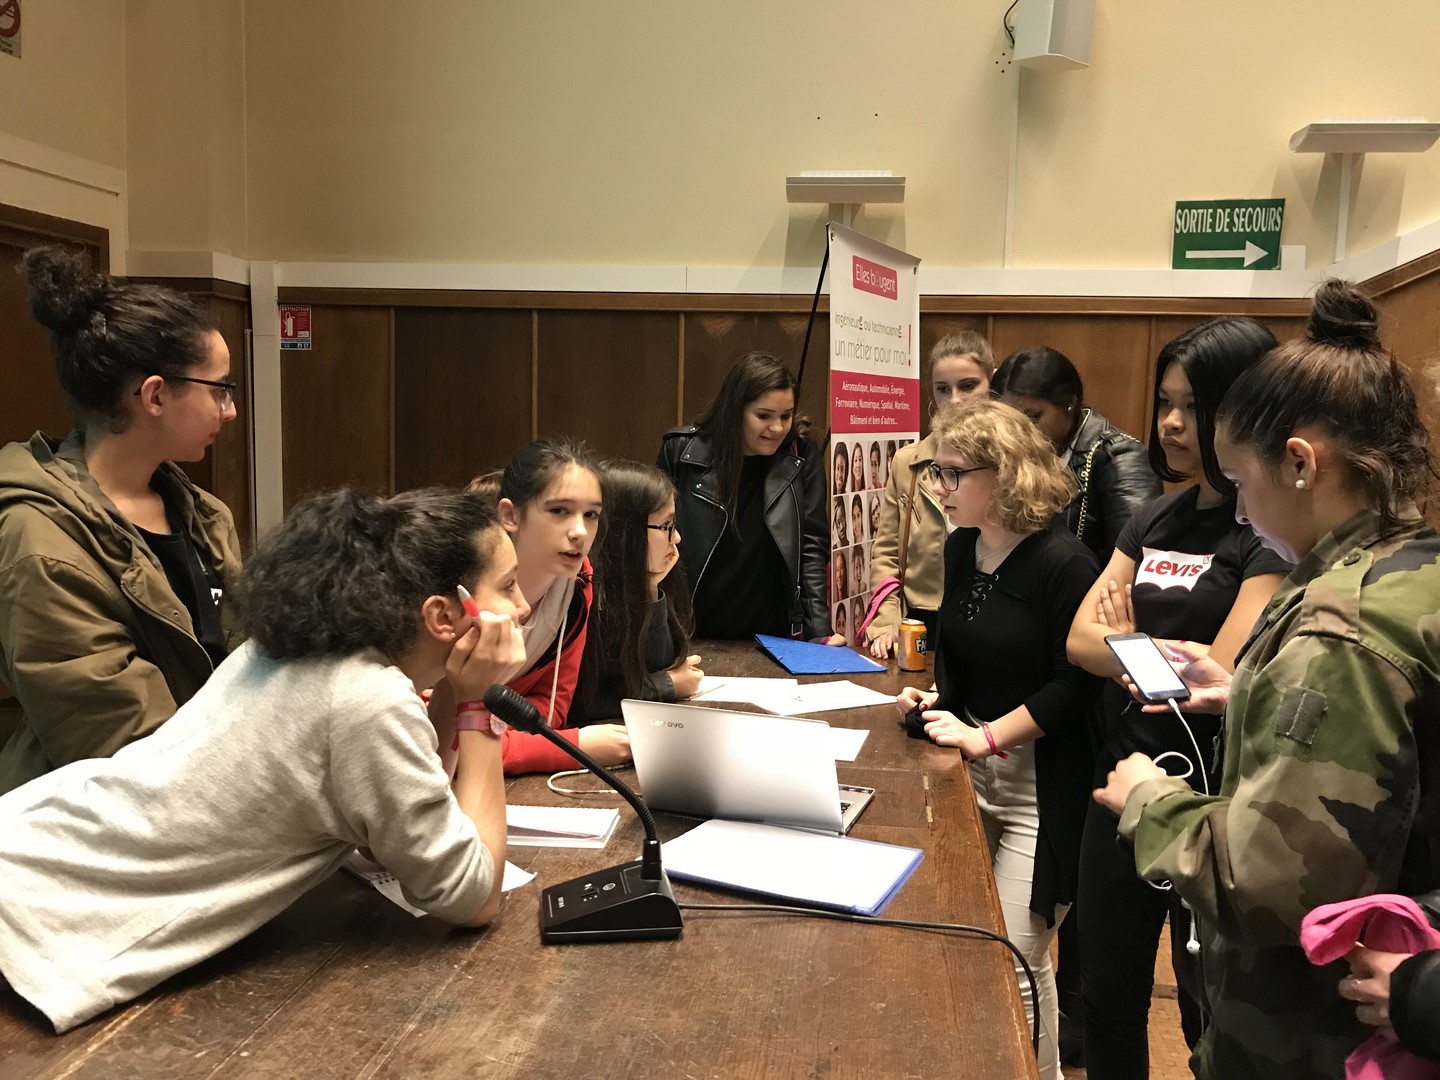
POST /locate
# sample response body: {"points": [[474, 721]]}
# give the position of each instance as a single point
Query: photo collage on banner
{"points": [[874, 405]]}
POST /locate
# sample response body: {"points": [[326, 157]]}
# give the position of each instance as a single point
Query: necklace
{"points": [[982, 557]]}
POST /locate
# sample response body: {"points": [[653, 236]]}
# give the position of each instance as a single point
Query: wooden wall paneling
{"points": [[680, 372], [534, 374], [608, 378], [462, 392], [1410, 327], [336, 402], [1111, 352], [229, 460], [715, 340], [30, 396]]}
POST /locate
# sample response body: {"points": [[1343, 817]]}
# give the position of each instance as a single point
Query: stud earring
{"points": [[1300, 484]]}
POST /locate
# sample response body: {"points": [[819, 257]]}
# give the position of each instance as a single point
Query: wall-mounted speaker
{"points": [[1053, 34]]}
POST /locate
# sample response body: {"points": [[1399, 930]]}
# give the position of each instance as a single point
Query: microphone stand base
{"points": [[609, 905]]}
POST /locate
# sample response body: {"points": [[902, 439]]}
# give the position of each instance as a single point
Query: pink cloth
{"points": [[1387, 923]]}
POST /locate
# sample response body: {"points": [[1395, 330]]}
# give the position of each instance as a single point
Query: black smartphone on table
{"points": [[1149, 669]]}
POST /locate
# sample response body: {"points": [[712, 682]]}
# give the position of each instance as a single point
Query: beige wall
{"points": [[1198, 100], [186, 124], [637, 132], [67, 90], [643, 132]]}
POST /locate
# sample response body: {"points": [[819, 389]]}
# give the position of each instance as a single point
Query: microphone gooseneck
{"points": [[520, 714]]}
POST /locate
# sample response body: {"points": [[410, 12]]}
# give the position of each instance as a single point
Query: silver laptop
{"points": [[744, 766]]}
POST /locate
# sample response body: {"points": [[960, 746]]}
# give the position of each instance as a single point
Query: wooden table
{"points": [[344, 984]]}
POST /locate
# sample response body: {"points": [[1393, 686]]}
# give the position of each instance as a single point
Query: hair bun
{"points": [[1343, 315], [65, 292]]}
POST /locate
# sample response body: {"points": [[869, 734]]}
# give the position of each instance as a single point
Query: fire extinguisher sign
{"points": [[294, 326]]}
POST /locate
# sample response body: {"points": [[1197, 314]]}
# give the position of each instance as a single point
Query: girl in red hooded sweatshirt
{"points": [[550, 504]]}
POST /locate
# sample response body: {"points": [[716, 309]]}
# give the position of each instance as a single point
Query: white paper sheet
{"points": [[560, 826], [840, 694], [845, 743], [742, 691]]}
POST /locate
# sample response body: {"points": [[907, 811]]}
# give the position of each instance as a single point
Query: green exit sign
{"points": [[1228, 234]]}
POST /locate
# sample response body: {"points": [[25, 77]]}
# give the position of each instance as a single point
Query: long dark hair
{"points": [[1039, 372], [631, 493], [538, 463], [347, 570], [104, 333], [1212, 355], [723, 422], [1341, 379]]}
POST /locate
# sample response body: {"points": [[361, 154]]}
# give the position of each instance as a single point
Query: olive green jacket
{"points": [[94, 644]]}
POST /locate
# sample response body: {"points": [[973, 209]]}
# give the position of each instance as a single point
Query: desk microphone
{"points": [[624, 903]]}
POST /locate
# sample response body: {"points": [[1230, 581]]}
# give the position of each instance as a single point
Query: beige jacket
{"points": [[925, 565]]}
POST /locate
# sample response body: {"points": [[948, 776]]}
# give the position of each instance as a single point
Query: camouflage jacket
{"points": [[1330, 790]]}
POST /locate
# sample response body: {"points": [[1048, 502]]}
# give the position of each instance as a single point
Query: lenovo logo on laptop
{"points": [[666, 723]]}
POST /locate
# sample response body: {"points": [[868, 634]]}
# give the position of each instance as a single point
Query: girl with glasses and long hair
{"points": [[639, 638], [1006, 697], [115, 569]]}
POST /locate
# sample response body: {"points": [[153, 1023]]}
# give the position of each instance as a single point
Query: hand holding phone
{"points": [[1150, 671]]}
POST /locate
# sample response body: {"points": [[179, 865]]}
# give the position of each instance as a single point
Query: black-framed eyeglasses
{"points": [[668, 530], [224, 391], [949, 479]]}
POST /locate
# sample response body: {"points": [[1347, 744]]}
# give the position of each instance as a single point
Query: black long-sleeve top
{"points": [[1002, 645]]}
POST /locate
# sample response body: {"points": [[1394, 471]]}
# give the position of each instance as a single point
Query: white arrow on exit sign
{"points": [[1250, 253]]}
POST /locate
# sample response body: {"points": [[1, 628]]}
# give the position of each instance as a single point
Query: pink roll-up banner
{"points": [[874, 402]]}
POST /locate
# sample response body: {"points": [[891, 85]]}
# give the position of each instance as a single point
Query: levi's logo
{"points": [[1169, 569]]}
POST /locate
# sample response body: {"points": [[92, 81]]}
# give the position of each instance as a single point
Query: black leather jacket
{"points": [[1115, 478], [794, 513], [1415, 993]]}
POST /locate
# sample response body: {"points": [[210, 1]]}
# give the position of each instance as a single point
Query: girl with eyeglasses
{"points": [[114, 566], [1006, 697], [1183, 568], [640, 628], [960, 369]]}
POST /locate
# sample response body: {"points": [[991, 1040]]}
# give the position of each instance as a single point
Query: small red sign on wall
{"points": [[294, 326]]}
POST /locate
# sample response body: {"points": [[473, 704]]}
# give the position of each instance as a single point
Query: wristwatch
{"points": [[473, 716]]}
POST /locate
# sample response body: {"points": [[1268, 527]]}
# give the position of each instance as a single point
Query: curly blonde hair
{"points": [[1031, 485]]}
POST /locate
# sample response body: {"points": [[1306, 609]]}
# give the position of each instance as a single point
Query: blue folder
{"points": [[808, 658]]}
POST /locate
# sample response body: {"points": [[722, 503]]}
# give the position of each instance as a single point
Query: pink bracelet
{"points": [[989, 738], [468, 718]]}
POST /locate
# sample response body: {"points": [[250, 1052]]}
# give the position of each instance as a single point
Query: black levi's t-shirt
{"points": [[1189, 566]]}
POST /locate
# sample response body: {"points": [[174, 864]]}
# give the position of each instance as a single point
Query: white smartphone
{"points": [[1147, 667]]}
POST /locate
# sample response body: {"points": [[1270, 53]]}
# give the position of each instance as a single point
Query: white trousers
{"points": [[1005, 791]]}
